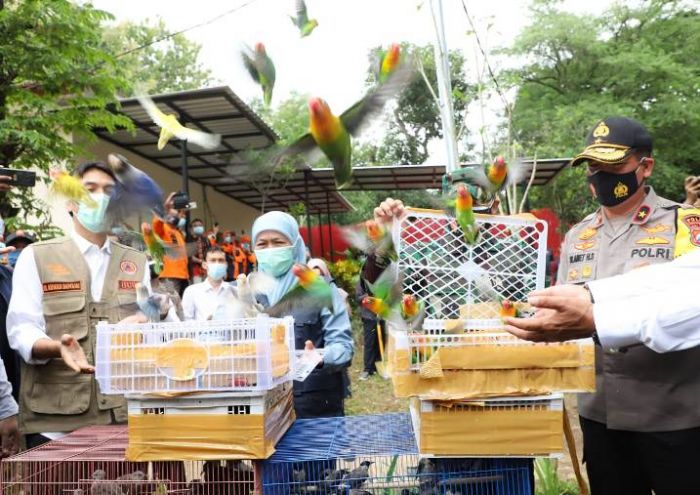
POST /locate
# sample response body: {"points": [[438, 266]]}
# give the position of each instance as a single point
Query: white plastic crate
{"points": [[502, 426], [214, 403], [459, 281], [253, 354], [493, 349]]}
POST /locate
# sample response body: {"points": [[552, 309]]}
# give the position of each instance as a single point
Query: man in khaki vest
{"points": [[641, 428], [61, 289]]}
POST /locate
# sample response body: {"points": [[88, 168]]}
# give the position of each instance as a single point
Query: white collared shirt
{"points": [[25, 314], [200, 301], [657, 306]]}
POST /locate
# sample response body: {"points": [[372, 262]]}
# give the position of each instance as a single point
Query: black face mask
{"points": [[613, 189]]}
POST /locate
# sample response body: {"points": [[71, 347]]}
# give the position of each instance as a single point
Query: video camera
{"points": [[181, 201]]}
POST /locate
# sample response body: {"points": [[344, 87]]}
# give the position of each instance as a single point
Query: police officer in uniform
{"points": [[641, 427], [61, 289]]}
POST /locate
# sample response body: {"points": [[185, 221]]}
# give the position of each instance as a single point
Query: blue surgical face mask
{"points": [[181, 223], [12, 257], [92, 217], [275, 261], [216, 271], [246, 246], [198, 230], [227, 240]]}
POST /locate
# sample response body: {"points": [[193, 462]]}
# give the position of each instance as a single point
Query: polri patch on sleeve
{"points": [[127, 284], [128, 267], [49, 287]]}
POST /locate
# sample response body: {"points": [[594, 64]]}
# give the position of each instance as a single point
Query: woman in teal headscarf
{"points": [[278, 246]]}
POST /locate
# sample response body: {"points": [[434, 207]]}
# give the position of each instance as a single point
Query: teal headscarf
{"points": [[286, 225]]}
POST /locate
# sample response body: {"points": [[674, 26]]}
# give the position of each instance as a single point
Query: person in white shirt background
{"points": [[201, 301], [46, 342]]}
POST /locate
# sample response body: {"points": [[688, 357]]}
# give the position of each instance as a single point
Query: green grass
{"points": [[372, 396]]}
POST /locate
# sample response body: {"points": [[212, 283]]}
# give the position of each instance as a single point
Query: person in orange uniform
{"points": [[250, 260], [174, 270], [240, 257], [228, 246]]}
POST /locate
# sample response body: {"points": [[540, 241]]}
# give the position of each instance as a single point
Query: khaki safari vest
{"points": [[52, 396], [637, 389]]}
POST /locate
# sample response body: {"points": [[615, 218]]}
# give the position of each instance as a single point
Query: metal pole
{"points": [[330, 232], [185, 174], [442, 69], [320, 230], [308, 209]]}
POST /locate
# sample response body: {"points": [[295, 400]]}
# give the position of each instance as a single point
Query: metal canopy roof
{"points": [[216, 110]]}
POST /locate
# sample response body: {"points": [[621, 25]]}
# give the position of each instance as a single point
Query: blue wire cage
{"points": [[377, 455]]}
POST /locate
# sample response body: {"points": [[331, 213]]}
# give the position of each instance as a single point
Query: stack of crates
{"points": [[92, 461], [377, 454], [475, 389], [200, 390]]}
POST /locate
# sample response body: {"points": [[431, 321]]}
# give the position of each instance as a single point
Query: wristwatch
{"points": [[594, 335]]}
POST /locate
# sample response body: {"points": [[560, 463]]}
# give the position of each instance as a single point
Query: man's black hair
{"points": [[82, 169], [214, 249], [197, 220]]}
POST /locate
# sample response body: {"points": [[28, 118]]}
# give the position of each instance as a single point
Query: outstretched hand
{"points": [[561, 313], [73, 355]]}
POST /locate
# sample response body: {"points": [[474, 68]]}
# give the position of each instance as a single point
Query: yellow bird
{"points": [[170, 127], [70, 187]]}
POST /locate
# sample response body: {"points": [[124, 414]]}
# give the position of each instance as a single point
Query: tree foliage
{"points": [[155, 66], [639, 61], [55, 81]]}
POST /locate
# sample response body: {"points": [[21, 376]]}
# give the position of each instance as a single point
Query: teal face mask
{"points": [[181, 223], [92, 218], [198, 230], [275, 261]]}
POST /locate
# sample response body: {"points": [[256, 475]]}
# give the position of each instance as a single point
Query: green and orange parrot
{"points": [[311, 291], [371, 237], [388, 61], [497, 175], [508, 309], [412, 310], [260, 68], [154, 246], [302, 21], [332, 134], [464, 214], [389, 303]]}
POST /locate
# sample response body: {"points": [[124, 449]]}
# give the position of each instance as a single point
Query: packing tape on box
{"points": [[187, 437], [491, 432], [489, 357], [456, 385]]}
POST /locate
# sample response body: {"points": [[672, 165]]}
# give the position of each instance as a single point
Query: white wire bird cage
{"points": [[92, 461], [253, 354], [498, 427], [465, 282]]}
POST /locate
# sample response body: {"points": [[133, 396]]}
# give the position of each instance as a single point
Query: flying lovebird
{"points": [[170, 127], [311, 291], [157, 248], [497, 175], [508, 309], [412, 310], [463, 204], [371, 238], [70, 187], [302, 21], [135, 191], [260, 68], [387, 62], [332, 134]]}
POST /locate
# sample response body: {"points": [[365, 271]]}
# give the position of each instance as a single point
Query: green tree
{"points": [[55, 81], [153, 64], [638, 61]]}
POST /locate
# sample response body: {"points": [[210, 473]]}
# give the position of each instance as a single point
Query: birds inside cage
{"points": [[470, 281], [92, 461], [362, 455]]}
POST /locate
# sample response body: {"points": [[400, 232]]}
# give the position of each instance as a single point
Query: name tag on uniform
{"points": [[127, 284], [49, 287]]}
